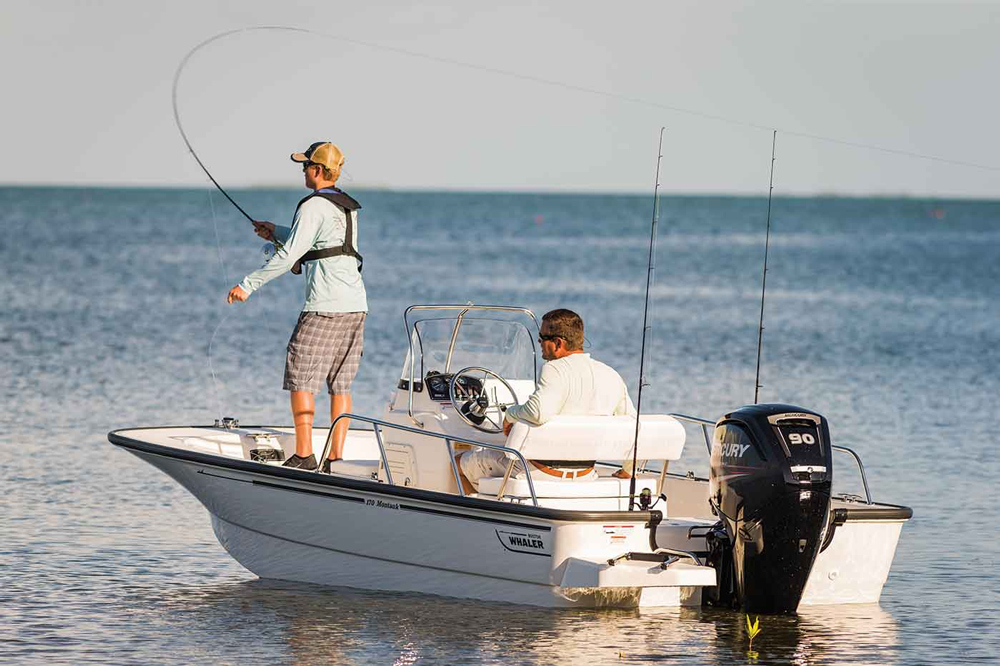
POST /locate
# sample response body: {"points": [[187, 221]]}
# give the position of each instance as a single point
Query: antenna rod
{"points": [[763, 286], [645, 320]]}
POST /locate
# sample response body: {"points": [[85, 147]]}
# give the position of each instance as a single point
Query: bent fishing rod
{"points": [[645, 320], [763, 286], [180, 127], [177, 115]]}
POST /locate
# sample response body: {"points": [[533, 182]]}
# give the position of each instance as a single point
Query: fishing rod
{"points": [[180, 127], [763, 286], [177, 115], [645, 320]]}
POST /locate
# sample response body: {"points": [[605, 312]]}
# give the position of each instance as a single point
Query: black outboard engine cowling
{"points": [[772, 470]]}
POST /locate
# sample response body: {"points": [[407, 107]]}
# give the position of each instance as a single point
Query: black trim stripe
{"points": [[220, 476], [871, 512], [307, 491], [452, 514], [361, 500]]}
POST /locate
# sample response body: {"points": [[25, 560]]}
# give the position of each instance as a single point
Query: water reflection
{"points": [[301, 624], [847, 634]]}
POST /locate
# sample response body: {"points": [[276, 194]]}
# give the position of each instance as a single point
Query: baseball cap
{"points": [[321, 152]]}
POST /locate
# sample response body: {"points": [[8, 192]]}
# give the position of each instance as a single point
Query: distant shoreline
{"points": [[518, 193]]}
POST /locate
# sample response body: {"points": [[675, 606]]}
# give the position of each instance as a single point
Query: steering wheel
{"points": [[473, 403]]}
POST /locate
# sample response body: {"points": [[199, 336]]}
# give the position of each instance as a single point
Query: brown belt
{"points": [[562, 473]]}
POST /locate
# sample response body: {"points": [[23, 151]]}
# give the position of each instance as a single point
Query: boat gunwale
{"points": [[361, 485], [877, 512], [856, 512]]}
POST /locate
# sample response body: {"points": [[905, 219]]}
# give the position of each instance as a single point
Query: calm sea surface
{"points": [[881, 314]]}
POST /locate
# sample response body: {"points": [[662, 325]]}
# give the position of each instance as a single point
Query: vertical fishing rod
{"points": [[645, 320], [763, 286]]}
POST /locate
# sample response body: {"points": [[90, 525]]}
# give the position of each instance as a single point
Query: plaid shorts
{"points": [[325, 346]]}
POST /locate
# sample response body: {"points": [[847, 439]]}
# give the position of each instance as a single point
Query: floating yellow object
{"points": [[753, 629]]}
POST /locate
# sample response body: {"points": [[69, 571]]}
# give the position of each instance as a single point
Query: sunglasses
{"points": [[306, 165], [550, 338]]}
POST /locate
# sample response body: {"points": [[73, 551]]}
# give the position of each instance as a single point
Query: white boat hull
{"points": [[355, 532], [300, 530]]}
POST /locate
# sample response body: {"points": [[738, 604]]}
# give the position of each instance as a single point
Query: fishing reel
{"points": [[271, 247]]}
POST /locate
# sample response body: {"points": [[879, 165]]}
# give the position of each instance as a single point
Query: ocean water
{"points": [[880, 314]]}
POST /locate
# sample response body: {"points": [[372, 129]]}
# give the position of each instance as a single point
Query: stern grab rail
{"points": [[861, 468], [705, 423], [378, 424]]}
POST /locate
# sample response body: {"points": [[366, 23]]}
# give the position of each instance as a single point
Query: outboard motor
{"points": [[770, 481]]}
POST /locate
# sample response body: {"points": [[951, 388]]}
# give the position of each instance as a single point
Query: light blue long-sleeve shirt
{"points": [[332, 284]]}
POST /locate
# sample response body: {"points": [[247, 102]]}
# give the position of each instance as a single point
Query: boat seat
{"points": [[661, 437], [585, 438], [590, 493]]}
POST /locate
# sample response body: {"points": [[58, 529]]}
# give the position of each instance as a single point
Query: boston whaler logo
{"points": [[522, 542]]}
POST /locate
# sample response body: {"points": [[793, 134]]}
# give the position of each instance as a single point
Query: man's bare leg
{"points": [[303, 411], [339, 404]]}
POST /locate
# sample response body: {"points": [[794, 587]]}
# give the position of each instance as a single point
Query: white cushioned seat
{"points": [[661, 437], [592, 493]]}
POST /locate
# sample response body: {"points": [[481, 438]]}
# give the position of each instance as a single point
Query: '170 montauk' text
{"points": [[379, 504]]}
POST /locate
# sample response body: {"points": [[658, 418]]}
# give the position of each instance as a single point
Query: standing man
{"points": [[328, 340]]}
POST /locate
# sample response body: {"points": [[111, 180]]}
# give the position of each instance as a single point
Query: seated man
{"points": [[571, 382]]}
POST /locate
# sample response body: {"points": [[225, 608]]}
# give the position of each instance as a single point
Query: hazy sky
{"points": [[87, 94]]}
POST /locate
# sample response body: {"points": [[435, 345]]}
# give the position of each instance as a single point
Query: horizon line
{"points": [[515, 191]]}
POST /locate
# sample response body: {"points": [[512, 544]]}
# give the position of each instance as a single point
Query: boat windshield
{"points": [[447, 345]]}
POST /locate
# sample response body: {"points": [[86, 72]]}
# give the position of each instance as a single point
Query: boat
{"points": [[763, 533]]}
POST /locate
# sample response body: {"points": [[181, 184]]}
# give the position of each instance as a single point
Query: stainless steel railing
{"points": [[861, 468], [463, 310], [705, 424], [378, 424]]}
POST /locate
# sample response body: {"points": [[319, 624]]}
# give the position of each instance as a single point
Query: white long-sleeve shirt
{"points": [[574, 384]]}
